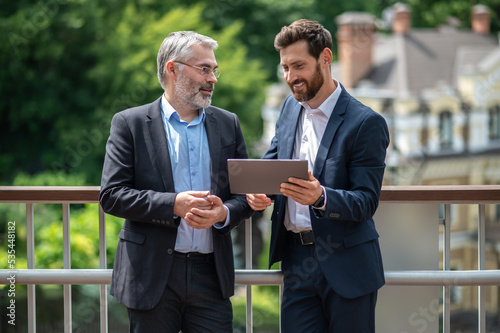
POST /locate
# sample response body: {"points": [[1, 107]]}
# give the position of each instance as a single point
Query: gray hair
{"points": [[177, 46]]}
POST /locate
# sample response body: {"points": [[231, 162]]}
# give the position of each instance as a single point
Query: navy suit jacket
{"points": [[350, 165], [137, 185]]}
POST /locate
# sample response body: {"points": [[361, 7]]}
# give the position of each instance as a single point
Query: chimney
{"points": [[401, 21], [480, 19], [355, 38]]}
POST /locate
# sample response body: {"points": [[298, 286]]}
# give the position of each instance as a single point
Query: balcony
{"points": [[428, 223]]}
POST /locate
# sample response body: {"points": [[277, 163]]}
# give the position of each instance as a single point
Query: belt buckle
{"points": [[306, 240]]}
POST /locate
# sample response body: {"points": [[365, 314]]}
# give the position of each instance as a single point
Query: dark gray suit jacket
{"points": [[137, 185], [350, 165]]}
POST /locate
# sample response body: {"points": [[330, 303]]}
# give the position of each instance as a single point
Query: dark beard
{"points": [[312, 87]]}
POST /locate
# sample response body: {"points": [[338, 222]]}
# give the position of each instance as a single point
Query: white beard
{"points": [[188, 93]]}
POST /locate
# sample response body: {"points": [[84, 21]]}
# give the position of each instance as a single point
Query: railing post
{"points": [[103, 265], [67, 265], [30, 257], [279, 303], [481, 253], [446, 267], [248, 265]]}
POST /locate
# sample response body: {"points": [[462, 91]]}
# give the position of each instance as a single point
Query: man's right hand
{"points": [[258, 201], [185, 201]]}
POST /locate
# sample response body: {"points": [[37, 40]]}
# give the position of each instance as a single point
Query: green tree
{"points": [[70, 65], [44, 93], [426, 13], [130, 64]]}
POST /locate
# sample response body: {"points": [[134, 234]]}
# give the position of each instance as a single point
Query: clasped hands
{"points": [[305, 192], [199, 209]]}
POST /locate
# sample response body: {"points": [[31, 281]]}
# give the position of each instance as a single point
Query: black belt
{"points": [[304, 237], [194, 255]]}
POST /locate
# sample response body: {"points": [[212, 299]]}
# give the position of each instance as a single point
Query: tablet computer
{"points": [[263, 176]]}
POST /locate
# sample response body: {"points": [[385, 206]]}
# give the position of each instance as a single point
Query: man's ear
{"points": [[171, 69], [326, 56]]}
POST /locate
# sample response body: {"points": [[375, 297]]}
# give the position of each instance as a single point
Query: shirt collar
{"points": [[328, 104], [168, 110]]}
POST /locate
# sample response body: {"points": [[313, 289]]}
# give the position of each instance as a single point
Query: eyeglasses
{"points": [[204, 70]]}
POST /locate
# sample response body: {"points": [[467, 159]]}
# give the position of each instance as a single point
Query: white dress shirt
{"points": [[310, 130]]}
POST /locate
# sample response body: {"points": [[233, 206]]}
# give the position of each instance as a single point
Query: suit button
{"points": [[162, 222], [154, 221], [170, 251]]}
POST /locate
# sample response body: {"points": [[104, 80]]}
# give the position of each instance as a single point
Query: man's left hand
{"points": [[305, 192], [203, 219]]}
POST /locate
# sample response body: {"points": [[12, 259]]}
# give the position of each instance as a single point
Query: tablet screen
{"points": [[263, 176]]}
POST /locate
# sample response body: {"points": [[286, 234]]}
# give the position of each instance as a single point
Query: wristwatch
{"points": [[321, 200]]}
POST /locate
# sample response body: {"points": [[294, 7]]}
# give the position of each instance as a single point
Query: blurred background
{"points": [[431, 68]]}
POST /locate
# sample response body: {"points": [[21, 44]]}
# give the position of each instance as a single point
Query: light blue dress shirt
{"points": [[190, 159]]}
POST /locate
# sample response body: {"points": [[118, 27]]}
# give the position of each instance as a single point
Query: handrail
{"points": [[49, 194], [257, 277], [443, 194], [428, 193]]}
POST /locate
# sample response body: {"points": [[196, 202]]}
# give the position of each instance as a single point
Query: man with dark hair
{"points": [[165, 173], [322, 227]]}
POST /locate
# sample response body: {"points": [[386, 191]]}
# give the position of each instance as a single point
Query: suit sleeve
{"points": [[237, 203], [120, 195]]}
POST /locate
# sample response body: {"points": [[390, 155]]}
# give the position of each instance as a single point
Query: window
{"points": [[424, 132], [445, 129], [494, 123]]}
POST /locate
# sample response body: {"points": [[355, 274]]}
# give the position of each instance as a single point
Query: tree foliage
{"points": [[427, 13], [70, 65]]}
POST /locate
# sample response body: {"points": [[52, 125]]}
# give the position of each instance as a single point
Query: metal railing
{"points": [[447, 195]]}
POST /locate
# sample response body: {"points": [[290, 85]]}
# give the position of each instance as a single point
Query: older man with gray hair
{"points": [[165, 173]]}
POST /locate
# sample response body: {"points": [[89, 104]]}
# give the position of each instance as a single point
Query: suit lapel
{"points": [[156, 143], [331, 129], [290, 128], [213, 137]]}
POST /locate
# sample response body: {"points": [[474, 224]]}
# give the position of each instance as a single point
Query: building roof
{"points": [[469, 58], [425, 58]]}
